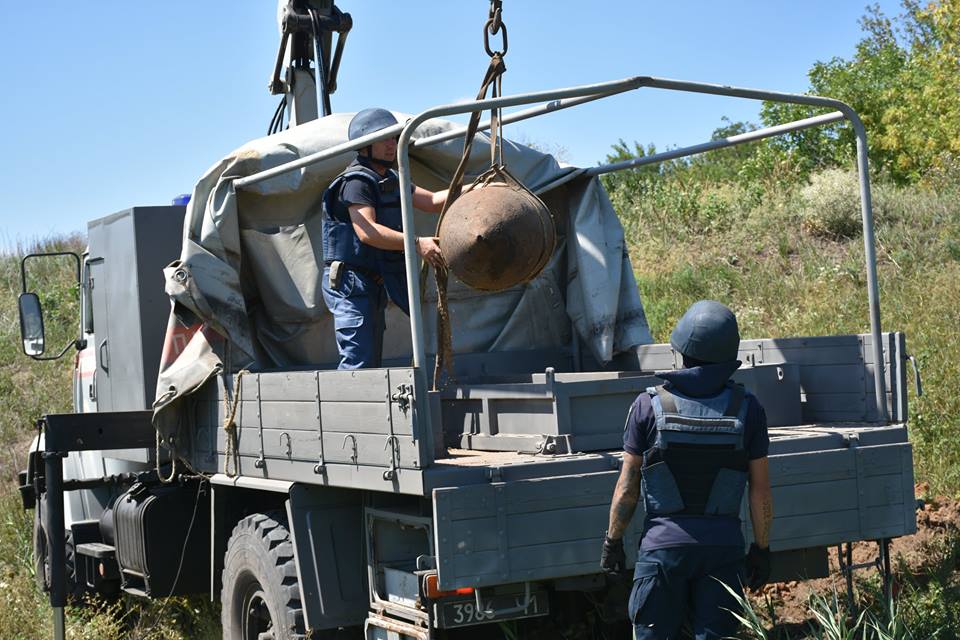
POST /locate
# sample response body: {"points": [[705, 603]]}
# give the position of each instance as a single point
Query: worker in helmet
{"points": [[691, 448], [363, 243]]}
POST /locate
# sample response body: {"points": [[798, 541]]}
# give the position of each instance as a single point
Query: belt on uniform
{"points": [[370, 273]]}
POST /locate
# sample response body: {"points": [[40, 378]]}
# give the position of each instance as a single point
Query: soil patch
{"points": [[931, 552]]}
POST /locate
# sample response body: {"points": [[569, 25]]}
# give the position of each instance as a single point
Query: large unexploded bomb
{"points": [[497, 235]]}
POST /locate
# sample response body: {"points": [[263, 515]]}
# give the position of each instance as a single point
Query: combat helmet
{"points": [[707, 332], [370, 121]]}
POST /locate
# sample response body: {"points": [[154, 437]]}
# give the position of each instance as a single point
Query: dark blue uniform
{"points": [[369, 275], [696, 439]]}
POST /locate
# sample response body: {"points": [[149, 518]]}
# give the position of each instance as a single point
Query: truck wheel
{"points": [[41, 565], [261, 594], [41, 560]]}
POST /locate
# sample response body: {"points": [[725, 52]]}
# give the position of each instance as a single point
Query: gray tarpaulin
{"points": [[246, 289]]}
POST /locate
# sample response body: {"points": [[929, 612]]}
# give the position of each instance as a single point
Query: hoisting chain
{"points": [[492, 26], [492, 79]]}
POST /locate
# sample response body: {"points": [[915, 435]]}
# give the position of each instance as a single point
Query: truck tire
{"points": [[41, 561], [261, 593]]}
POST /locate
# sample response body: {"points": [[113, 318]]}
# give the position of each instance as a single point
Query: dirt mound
{"points": [[931, 551]]}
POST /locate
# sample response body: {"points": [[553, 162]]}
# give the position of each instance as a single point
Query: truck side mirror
{"points": [[31, 324], [31, 315]]}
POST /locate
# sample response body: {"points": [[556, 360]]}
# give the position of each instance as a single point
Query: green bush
{"points": [[831, 205]]}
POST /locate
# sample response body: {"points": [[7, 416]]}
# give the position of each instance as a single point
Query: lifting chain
{"points": [[492, 80], [493, 25]]}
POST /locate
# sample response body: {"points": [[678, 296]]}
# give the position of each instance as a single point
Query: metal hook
{"points": [[394, 443], [353, 457], [496, 14], [289, 443]]}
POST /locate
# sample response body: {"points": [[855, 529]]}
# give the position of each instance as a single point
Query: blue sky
{"points": [[109, 104]]}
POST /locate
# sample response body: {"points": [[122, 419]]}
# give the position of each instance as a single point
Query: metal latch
{"points": [[92, 389], [403, 396], [556, 444]]}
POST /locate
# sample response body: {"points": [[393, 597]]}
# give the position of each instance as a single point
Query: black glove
{"points": [[758, 566], [612, 560]]}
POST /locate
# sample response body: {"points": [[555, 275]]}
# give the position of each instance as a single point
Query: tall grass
{"points": [[830, 619], [789, 259], [789, 264], [29, 389]]}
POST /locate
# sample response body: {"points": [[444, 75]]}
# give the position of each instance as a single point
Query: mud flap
{"points": [[326, 528]]}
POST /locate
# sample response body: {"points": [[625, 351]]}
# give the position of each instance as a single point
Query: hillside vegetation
{"points": [[29, 389], [772, 229]]}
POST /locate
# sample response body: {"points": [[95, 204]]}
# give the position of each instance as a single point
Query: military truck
{"points": [[314, 502]]}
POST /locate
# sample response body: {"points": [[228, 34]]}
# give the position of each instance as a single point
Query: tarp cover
{"points": [[246, 290]]}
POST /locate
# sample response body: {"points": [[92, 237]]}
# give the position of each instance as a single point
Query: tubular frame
{"points": [[573, 96]]}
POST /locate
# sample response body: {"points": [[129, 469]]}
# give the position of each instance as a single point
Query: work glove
{"points": [[612, 559], [758, 566]]}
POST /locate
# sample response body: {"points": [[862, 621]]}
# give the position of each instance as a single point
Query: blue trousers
{"points": [[358, 305], [678, 583]]}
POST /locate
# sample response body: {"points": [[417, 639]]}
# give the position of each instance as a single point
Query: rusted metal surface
{"points": [[497, 235], [405, 630]]}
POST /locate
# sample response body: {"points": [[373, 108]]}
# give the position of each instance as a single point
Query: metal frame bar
{"points": [[63, 433], [56, 539], [721, 143], [517, 116], [390, 132], [572, 96]]}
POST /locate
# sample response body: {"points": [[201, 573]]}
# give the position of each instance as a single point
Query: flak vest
{"points": [[699, 462], [340, 241]]}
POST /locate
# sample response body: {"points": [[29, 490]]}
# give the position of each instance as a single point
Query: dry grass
{"points": [[783, 280], [29, 389]]}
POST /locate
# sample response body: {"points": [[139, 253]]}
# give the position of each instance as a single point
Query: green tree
{"points": [[903, 80], [922, 130]]}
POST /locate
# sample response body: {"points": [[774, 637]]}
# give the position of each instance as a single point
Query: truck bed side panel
{"points": [[525, 530]]}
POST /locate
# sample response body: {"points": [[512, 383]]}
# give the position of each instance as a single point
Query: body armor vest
{"points": [[340, 241], [699, 462]]}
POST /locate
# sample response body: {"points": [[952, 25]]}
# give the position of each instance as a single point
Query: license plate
{"points": [[464, 612]]}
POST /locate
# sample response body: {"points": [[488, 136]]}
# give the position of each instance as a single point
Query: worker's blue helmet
{"points": [[707, 332], [369, 121]]}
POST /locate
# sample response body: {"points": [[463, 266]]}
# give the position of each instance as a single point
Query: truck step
{"points": [[381, 627], [97, 550]]}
